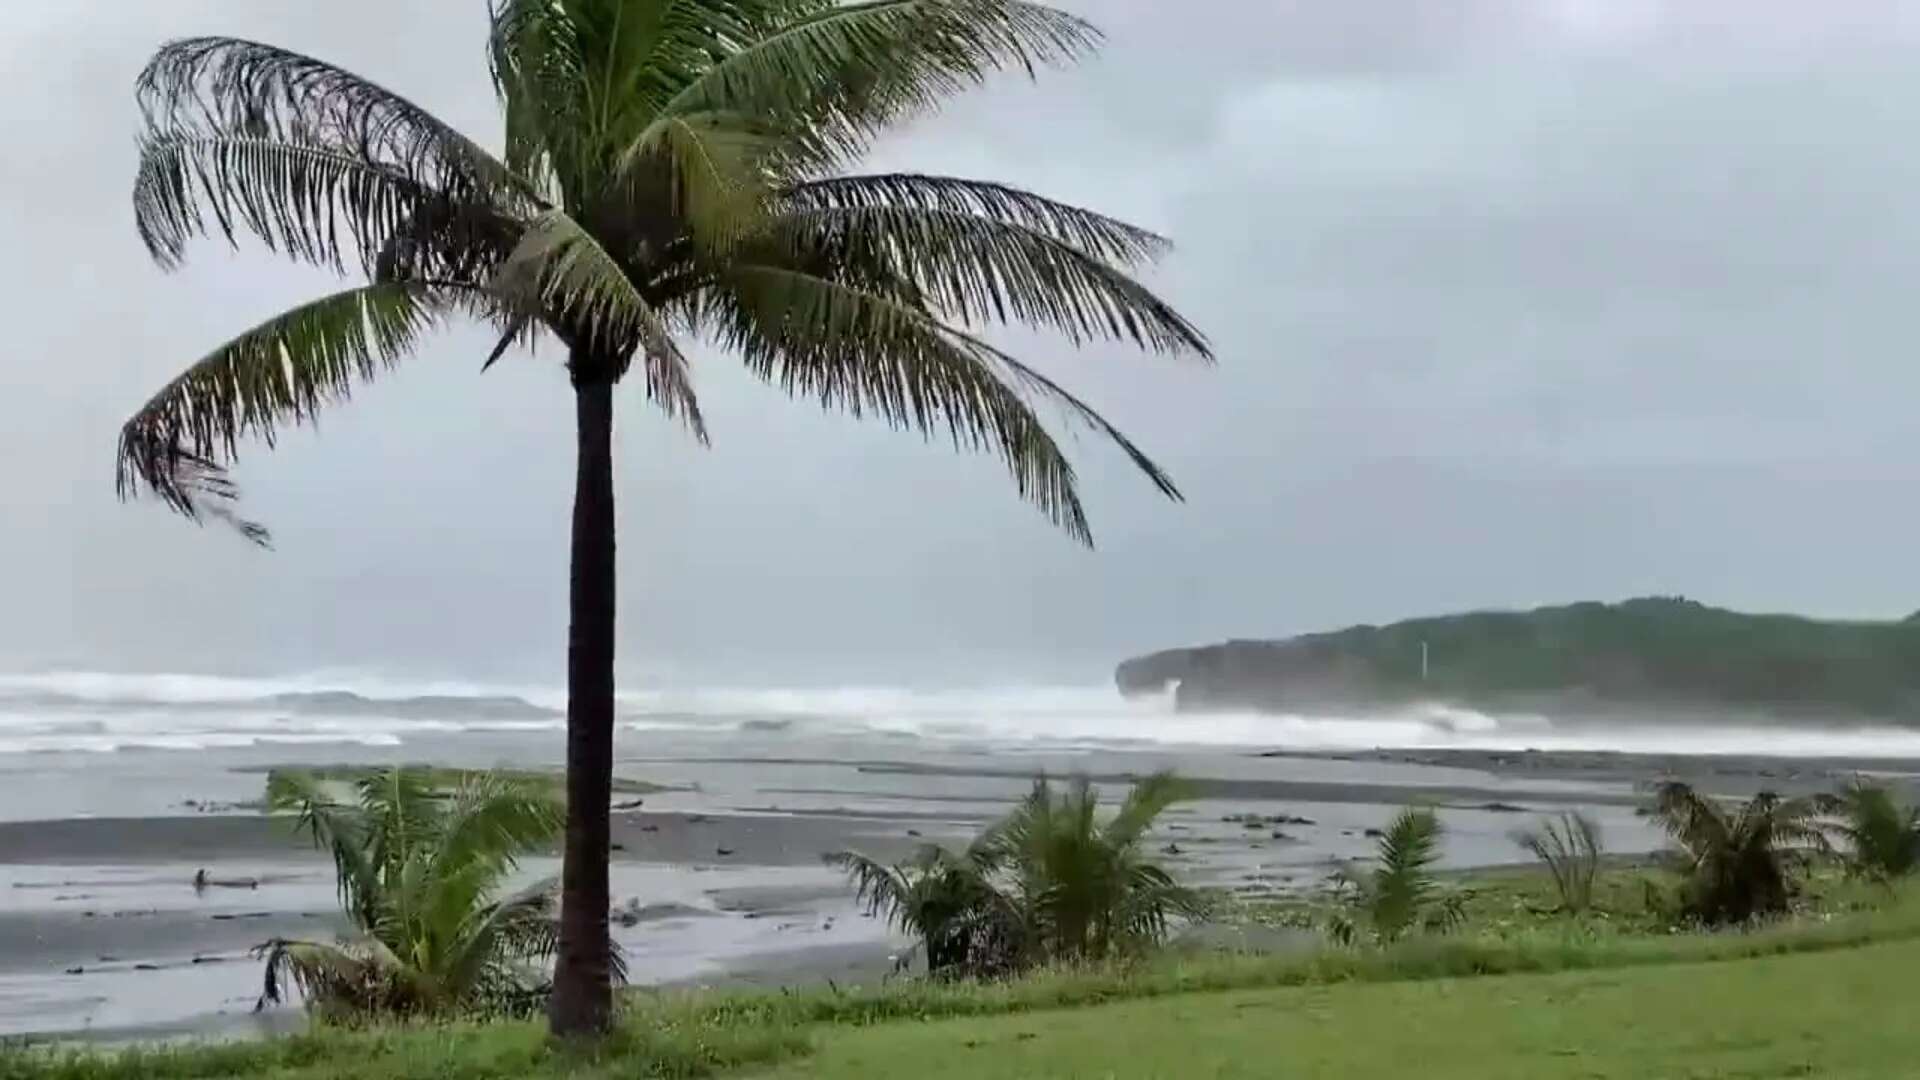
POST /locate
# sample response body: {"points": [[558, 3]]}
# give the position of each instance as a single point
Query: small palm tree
{"points": [[1086, 890], [1570, 848], [950, 901], [419, 870], [1882, 836], [673, 171], [1738, 863], [1400, 894]]}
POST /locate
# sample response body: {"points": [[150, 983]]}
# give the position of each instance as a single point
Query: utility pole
{"points": [[1423, 661]]}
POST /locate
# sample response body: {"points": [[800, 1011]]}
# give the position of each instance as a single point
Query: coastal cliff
{"points": [[1656, 651]]}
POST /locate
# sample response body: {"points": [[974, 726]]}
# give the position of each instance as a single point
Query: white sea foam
{"points": [[103, 712]]}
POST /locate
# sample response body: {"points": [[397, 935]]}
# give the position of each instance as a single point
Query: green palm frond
{"points": [[559, 267], [339, 829], [980, 270], [1697, 823], [312, 202], [1882, 836], [490, 818], [880, 889], [419, 869], [1150, 797], [840, 75], [1082, 889], [1402, 883], [217, 85], [362, 977], [1400, 892], [280, 372], [1739, 862], [1097, 235], [404, 815], [863, 352]]}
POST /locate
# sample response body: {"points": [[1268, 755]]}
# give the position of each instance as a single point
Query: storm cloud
{"points": [[1515, 302]]}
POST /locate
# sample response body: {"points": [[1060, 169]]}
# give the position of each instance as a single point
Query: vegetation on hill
{"points": [[1656, 650]]}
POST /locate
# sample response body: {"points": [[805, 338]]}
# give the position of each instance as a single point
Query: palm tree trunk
{"points": [[582, 1002]]}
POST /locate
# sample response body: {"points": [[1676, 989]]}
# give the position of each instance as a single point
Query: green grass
{"points": [[1833, 1015], [664, 1044]]}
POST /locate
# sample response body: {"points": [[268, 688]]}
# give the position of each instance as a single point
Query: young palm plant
{"points": [[1738, 863], [1569, 846], [419, 872], [1882, 836], [1400, 893], [1086, 889], [674, 171], [951, 902]]}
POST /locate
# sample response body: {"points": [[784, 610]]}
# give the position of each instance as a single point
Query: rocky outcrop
{"points": [[1657, 651]]}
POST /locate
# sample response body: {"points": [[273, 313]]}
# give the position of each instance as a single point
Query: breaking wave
{"points": [[105, 712]]}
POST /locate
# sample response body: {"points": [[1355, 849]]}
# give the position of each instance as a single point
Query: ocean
{"points": [[103, 712]]}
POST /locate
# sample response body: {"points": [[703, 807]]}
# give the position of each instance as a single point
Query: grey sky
{"points": [[1516, 301]]}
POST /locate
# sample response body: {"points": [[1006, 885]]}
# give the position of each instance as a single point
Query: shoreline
{"points": [[722, 884]]}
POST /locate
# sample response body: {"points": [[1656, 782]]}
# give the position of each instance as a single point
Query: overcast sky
{"points": [[1516, 301]]}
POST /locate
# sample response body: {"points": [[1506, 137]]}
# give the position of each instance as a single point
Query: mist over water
{"points": [[107, 712]]}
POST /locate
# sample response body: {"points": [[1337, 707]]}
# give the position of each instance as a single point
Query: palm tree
{"points": [[1570, 848], [1737, 863], [950, 901], [673, 171], [1882, 836], [418, 871], [1086, 890], [1400, 893]]}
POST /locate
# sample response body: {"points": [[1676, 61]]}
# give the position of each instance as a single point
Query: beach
{"points": [[717, 868]]}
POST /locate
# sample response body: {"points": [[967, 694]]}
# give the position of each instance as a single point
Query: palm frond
{"points": [[312, 202], [340, 830], [404, 817], [982, 270], [1882, 836], [519, 928], [1150, 797], [839, 75], [561, 268], [281, 372], [492, 818], [863, 352], [219, 85], [1402, 885], [1096, 235], [1695, 822], [879, 888], [359, 979]]}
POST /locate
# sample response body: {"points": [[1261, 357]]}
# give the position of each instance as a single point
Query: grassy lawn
{"points": [[1832, 1015]]}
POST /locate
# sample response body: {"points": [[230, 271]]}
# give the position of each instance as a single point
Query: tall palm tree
{"points": [[1738, 861], [673, 171], [419, 871], [949, 900], [1882, 836], [1087, 889]]}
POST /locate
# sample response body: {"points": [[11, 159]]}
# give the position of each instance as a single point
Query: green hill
{"points": [[1653, 651]]}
